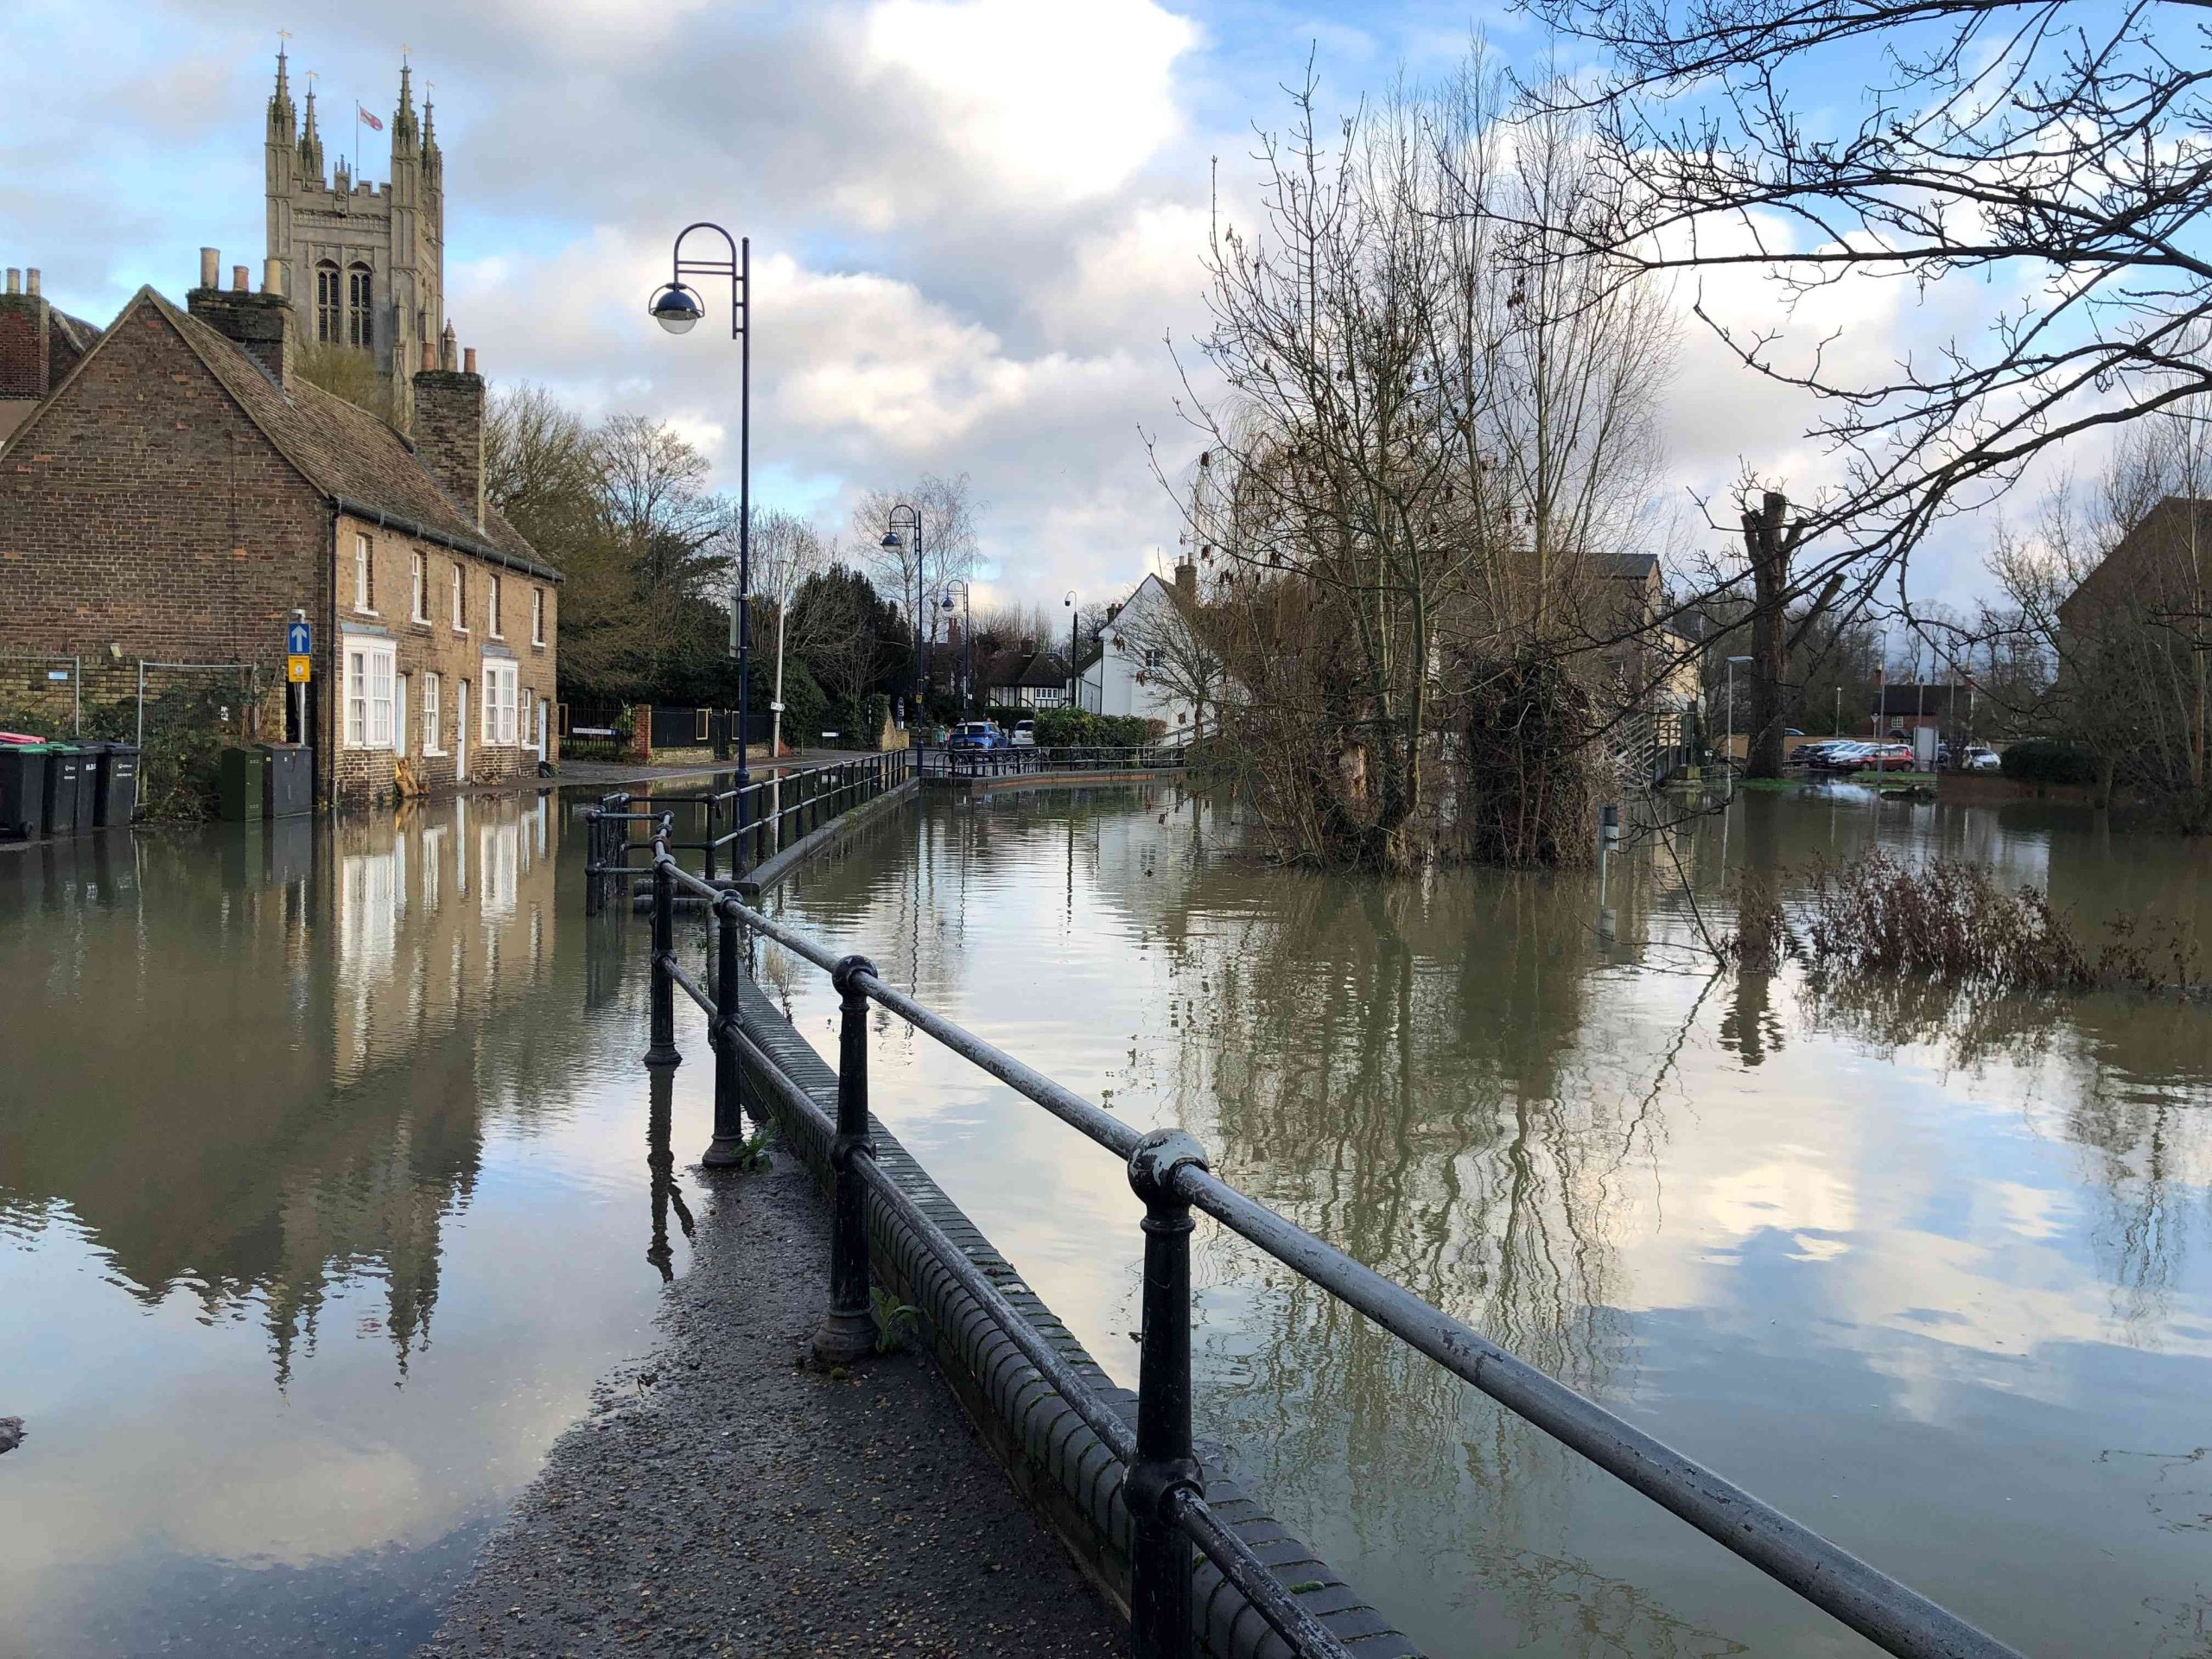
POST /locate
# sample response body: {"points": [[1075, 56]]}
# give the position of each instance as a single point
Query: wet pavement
{"points": [[723, 1499]]}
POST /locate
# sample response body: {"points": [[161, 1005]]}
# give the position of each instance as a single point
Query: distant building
{"points": [[1132, 673], [1024, 678], [1908, 709], [39, 345], [2156, 576], [364, 263]]}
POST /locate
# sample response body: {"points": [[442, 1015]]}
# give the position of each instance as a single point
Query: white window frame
{"points": [[498, 687], [364, 575], [371, 674], [460, 598], [537, 616], [492, 609], [433, 713], [422, 611]]}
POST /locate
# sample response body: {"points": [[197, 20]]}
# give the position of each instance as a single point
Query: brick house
{"points": [[39, 345], [181, 493]]}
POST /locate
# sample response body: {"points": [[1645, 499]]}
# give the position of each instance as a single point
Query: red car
{"points": [[1889, 757]]}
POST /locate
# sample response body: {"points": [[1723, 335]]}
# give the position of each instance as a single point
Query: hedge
{"points": [[2043, 760]]}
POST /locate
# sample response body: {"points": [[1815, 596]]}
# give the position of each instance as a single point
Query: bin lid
{"points": [[19, 738]]}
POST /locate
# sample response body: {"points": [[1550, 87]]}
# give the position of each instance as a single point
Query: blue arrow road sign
{"points": [[299, 640]]}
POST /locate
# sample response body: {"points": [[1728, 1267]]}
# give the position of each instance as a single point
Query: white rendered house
{"points": [[1124, 678]]}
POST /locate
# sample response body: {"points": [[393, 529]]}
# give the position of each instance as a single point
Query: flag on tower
{"points": [[375, 125]]}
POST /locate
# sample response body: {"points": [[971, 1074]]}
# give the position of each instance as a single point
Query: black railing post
{"points": [[595, 855], [1159, 1552], [662, 1049], [709, 837], [848, 1330], [727, 1146]]}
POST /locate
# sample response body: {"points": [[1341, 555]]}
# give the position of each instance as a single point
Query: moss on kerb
{"points": [[1054, 1459]]}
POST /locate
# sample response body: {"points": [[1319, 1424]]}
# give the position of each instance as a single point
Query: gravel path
{"points": [[722, 1499]]}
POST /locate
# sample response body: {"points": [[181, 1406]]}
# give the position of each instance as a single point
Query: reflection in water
{"points": [[282, 1101], [1909, 1271]]}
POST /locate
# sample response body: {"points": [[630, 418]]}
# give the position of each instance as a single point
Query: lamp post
{"points": [[678, 308], [1728, 742], [1074, 683], [892, 540], [967, 643]]}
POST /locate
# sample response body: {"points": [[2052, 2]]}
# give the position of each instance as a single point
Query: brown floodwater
{"points": [[327, 1196], [1929, 1273]]}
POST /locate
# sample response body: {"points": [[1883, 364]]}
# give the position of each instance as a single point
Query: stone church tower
{"points": [[363, 265]]}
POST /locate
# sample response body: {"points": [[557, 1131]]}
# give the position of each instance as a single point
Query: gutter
{"points": [[421, 532]]}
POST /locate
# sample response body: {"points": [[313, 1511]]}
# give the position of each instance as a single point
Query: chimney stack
{"points": [[262, 324], [449, 423], [1186, 579], [33, 354]]}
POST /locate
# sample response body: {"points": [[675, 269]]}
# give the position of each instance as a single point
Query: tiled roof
{"points": [[349, 454]]}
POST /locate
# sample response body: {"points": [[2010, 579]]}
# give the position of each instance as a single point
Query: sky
{"points": [[977, 224]]}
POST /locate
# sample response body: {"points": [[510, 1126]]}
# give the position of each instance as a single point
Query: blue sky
{"points": [[973, 221]]}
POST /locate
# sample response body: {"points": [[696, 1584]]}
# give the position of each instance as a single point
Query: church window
{"points": [[326, 311], [361, 320]]}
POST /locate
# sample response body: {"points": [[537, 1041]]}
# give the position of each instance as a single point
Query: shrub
{"points": [[2043, 760], [1080, 729]]}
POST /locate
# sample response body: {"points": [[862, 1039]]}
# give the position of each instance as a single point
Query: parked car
{"points": [[1025, 734], [1887, 757], [1981, 758], [975, 734], [1814, 753], [1841, 755]]}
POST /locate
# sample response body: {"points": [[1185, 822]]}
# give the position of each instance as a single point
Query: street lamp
{"points": [[967, 643], [1074, 683], [676, 307], [1728, 742], [893, 541]]}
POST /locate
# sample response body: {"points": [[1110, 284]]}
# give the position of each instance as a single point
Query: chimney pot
{"points": [[272, 276], [30, 282], [429, 356], [467, 358], [14, 280], [211, 267], [238, 279]]}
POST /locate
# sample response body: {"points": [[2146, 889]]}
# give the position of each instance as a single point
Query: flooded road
{"points": [[323, 1201], [1929, 1274]]}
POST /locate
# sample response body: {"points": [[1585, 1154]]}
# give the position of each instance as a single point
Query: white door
{"points": [[541, 730], [461, 735], [399, 718]]}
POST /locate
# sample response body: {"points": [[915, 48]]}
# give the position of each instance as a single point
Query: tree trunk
{"points": [[1770, 547]]}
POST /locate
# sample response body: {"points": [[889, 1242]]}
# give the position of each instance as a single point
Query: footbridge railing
{"points": [[736, 829], [943, 764], [1163, 1486]]}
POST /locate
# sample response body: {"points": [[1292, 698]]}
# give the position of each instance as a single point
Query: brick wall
{"points": [[22, 346], [145, 513], [449, 434], [454, 654]]}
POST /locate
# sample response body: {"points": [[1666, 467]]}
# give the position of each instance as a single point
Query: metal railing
{"points": [[941, 763], [1163, 1486], [763, 819]]}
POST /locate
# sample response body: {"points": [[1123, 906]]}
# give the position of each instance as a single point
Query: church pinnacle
{"points": [[281, 128], [310, 139]]}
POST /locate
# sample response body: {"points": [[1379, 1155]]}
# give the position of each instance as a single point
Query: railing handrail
{"points": [[1890, 1614]]}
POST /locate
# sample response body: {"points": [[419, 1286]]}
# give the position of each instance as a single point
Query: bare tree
{"points": [[1435, 429], [2055, 152], [785, 551]]}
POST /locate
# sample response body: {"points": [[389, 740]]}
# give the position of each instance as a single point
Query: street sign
{"points": [[298, 669], [299, 641]]}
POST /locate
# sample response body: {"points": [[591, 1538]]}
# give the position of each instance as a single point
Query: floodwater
{"points": [[324, 1200], [1930, 1275], [327, 1193]]}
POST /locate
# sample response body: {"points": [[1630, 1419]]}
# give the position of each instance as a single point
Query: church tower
{"points": [[363, 264]]}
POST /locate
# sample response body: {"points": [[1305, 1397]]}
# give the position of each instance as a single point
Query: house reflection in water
{"points": [[256, 1071]]}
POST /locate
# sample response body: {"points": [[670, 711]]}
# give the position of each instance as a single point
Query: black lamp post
{"points": [[678, 308], [1074, 683], [967, 644], [893, 523]]}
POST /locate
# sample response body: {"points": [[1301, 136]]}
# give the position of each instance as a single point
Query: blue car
{"points": [[975, 734]]}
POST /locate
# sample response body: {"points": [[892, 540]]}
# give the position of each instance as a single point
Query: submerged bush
{"points": [[2043, 760], [1948, 921]]}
